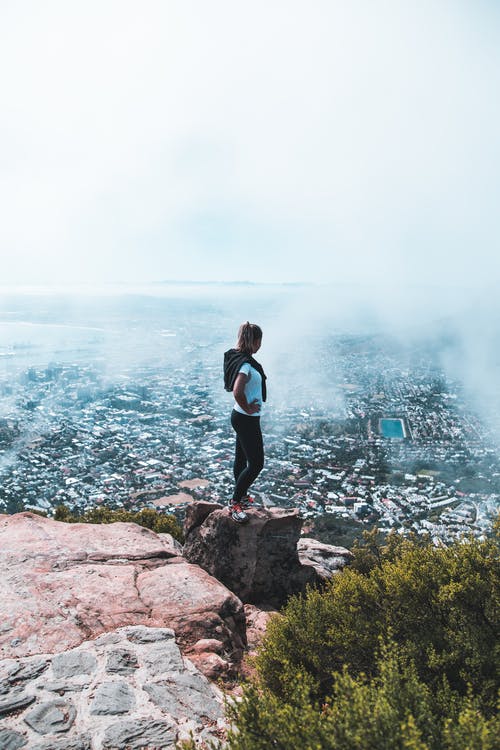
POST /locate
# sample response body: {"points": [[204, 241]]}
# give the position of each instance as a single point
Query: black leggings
{"points": [[249, 455]]}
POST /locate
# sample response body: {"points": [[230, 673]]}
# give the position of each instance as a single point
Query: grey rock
{"points": [[73, 663], [122, 661], [113, 698], [166, 697], [14, 702], [164, 658], [325, 559], [27, 671], [107, 638], [10, 740], [196, 692], [4, 688], [52, 717], [136, 735], [188, 694], [141, 634], [83, 742], [63, 686]]}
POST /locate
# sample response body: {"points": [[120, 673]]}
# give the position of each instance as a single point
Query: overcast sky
{"points": [[353, 140]]}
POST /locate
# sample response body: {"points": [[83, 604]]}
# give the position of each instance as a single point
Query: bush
{"points": [[161, 524], [397, 653], [394, 710], [440, 606]]}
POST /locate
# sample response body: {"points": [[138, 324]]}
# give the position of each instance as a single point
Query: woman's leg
{"points": [[250, 438], [240, 459]]}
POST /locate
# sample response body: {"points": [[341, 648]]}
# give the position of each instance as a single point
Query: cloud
{"points": [[277, 141]]}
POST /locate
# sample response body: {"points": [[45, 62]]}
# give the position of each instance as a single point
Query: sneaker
{"points": [[237, 513], [248, 502]]}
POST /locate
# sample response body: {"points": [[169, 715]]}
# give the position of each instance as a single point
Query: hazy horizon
{"points": [[299, 142], [128, 327]]}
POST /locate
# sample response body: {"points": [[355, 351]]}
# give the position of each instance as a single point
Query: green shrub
{"points": [[38, 512], [161, 524], [394, 710], [439, 605], [399, 652]]}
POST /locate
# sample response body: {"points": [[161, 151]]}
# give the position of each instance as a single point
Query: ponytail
{"points": [[248, 334]]}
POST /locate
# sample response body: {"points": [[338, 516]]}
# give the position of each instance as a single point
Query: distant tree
{"points": [[63, 513], [397, 477]]}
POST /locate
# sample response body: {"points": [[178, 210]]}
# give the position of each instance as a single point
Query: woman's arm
{"points": [[239, 394]]}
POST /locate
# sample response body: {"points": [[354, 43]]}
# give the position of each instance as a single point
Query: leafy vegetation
{"points": [[393, 710], [150, 519], [399, 652], [438, 605]]}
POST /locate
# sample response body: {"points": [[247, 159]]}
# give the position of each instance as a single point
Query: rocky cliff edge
{"points": [[104, 629]]}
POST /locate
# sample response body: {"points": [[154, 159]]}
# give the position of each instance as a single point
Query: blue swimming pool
{"points": [[392, 428]]}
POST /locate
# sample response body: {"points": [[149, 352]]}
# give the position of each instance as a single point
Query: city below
{"points": [[391, 444]]}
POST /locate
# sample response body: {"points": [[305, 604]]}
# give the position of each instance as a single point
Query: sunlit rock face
{"points": [[63, 583], [259, 560]]}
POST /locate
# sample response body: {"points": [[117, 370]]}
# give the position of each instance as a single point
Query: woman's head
{"points": [[249, 338]]}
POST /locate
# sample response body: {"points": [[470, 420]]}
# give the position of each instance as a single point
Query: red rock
{"points": [[64, 583], [196, 513], [207, 645], [211, 665], [257, 621]]}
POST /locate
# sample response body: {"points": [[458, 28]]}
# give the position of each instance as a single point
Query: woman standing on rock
{"points": [[244, 376]]}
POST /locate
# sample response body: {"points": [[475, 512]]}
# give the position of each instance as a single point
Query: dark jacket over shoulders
{"points": [[233, 359]]}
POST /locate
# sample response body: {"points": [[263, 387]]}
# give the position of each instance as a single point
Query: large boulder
{"points": [[257, 560], [64, 583]]}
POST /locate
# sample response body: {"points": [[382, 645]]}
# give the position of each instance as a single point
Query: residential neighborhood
{"points": [[402, 451]]}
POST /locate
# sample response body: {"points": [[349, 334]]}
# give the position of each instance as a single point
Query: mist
{"points": [[167, 327], [347, 143]]}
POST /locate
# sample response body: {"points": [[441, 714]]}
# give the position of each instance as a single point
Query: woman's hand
{"points": [[254, 407]]}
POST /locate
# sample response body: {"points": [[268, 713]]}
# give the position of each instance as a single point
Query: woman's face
{"points": [[256, 345]]}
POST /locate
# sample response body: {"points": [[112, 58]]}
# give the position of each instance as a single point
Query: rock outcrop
{"points": [[130, 688], [63, 583], [259, 560], [109, 632], [325, 559]]}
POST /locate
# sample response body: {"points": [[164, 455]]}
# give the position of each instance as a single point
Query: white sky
{"points": [[275, 140]]}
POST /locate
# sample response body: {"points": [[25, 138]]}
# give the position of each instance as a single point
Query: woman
{"points": [[244, 376]]}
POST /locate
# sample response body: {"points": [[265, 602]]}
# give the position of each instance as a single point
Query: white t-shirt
{"points": [[253, 388]]}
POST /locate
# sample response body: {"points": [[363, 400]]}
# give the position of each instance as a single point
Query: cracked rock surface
{"points": [[113, 692], [64, 583]]}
